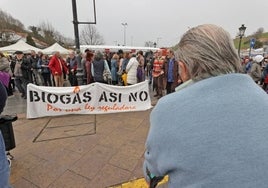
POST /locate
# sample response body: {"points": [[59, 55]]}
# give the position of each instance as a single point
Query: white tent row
{"points": [[21, 45], [55, 47], [116, 48]]}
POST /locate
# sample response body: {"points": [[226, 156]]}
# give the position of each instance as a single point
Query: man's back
{"points": [[218, 130]]}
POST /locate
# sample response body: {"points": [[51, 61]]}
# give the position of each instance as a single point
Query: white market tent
{"points": [[19, 46], [55, 48], [116, 48]]}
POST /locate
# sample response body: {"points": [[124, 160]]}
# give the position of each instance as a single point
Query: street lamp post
{"points": [[125, 27], [242, 30]]}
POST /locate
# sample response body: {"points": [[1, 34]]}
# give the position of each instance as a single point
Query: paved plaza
{"points": [[66, 151]]}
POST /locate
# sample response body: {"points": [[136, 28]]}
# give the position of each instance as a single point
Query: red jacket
{"points": [[55, 65]]}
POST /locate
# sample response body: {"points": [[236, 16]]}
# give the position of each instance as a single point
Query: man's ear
{"points": [[184, 73]]}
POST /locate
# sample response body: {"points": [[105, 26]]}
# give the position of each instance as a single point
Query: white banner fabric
{"points": [[95, 98]]}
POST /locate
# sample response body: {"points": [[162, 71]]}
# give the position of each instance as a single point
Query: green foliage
{"points": [[30, 40]]}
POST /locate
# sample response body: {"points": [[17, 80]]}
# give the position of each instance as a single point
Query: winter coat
{"points": [[131, 70], [57, 65]]}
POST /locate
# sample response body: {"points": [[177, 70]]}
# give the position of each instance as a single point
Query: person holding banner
{"points": [[58, 68], [203, 135]]}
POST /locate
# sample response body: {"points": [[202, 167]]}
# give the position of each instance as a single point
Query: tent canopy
{"points": [[21, 46], [54, 48]]}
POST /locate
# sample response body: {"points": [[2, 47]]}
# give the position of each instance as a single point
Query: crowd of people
{"points": [[116, 68], [257, 68], [160, 68]]}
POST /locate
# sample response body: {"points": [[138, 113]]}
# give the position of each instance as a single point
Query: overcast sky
{"points": [[148, 20]]}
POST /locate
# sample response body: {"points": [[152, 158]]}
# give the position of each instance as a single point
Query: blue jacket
{"points": [[202, 136]]}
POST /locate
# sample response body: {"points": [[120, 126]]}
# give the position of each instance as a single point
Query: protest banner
{"points": [[95, 98]]}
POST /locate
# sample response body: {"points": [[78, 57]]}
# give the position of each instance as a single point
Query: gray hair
{"points": [[208, 50], [98, 56]]}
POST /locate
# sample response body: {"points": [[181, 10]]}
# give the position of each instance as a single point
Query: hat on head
{"points": [[258, 58], [18, 52]]}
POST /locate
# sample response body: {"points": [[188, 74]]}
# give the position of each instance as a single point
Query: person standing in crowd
{"points": [[131, 70], [122, 69], [255, 71], [22, 73], [83, 65], [4, 165], [88, 65], [72, 67], [265, 75], [5, 76], [125, 60], [45, 72], [114, 68], [197, 135], [158, 74], [248, 63], [98, 67], [149, 65], [171, 72], [58, 68], [36, 73], [140, 69]]}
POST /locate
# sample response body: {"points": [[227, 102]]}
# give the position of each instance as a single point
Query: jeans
{"points": [[4, 166]]}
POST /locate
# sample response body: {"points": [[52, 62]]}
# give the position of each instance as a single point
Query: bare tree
{"points": [[90, 35], [48, 32]]}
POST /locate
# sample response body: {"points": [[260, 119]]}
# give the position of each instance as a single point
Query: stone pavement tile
{"points": [[23, 183], [132, 123], [70, 180], [110, 175], [140, 134], [44, 174], [61, 156], [49, 134], [82, 144], [124, 161], [20, 166], [70, 120], [138, 171], [132, 148], [93, 161]]}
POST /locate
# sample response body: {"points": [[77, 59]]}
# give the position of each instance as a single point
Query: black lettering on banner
{"points": [[77, 99], [65, 99], [133, 96], [34, 97], [143, 96], [87, 97], [103, 97], [50, 98]]}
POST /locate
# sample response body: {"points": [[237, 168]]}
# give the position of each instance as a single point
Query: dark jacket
{"points": [[26, 69], [3, 98], [175, 73]]}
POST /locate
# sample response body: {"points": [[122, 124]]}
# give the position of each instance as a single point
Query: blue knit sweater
{"points": [[211, 134]]}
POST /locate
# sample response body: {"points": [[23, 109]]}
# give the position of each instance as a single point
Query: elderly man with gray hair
{"points": [[203, 135]]}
